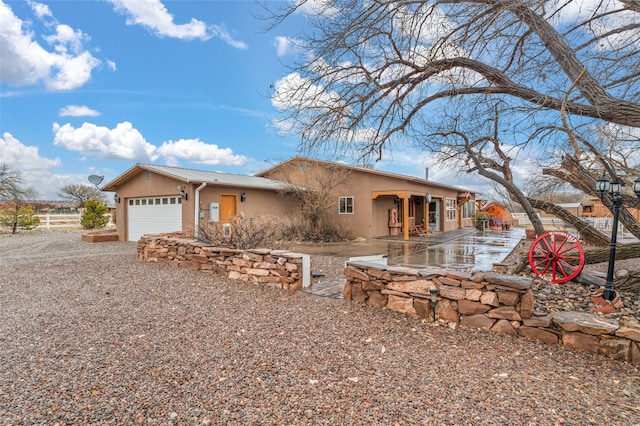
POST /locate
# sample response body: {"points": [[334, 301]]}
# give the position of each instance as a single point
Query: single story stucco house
{"points": [[371, 203]]}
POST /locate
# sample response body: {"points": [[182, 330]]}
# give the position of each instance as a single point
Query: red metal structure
{"points": [[556, 256]]}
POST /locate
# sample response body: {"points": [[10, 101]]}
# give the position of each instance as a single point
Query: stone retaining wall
{"points": [[279, 268], [490, 301]]}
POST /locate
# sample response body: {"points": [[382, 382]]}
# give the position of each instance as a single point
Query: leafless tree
{"points": [[379, 73], [9, 180], [78, 194], [15, 197], [315, 185]]}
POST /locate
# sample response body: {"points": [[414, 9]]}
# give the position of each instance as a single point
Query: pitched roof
{"points": [[569, 205], [372, 171], [198, 176]]}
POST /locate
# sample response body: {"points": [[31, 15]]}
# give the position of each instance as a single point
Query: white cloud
{"points": [[324, 8], [196, 151], [34, 168], [153, 15], [40, 10], [295, 91], [25, 62], [112, 65], [123, 142], [27, 158], [221, 32], [77, 111], [283, 45]]}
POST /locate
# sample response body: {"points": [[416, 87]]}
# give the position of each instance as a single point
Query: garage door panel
{"points": [[153, 215]]}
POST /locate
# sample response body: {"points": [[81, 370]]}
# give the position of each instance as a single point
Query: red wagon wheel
{"points": [[556, 256]]}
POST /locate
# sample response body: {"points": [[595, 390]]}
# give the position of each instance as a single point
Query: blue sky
{"points": [[93, 87]]}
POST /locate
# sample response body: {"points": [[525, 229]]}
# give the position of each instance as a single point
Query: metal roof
{"points": [[201, 176], [371, 171]]}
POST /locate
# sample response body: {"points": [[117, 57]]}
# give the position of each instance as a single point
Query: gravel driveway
{"points": [[89, 335]]}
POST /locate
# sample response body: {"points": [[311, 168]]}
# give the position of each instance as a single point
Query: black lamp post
{"points": [[604, 185]]}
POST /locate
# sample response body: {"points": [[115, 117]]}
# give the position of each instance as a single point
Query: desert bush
{"points": [[325, 230], [242, 233], [19, 218], [95, 214]]}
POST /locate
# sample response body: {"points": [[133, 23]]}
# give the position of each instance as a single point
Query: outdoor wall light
{"points": [[604, 186], [116, 198], [183, 193], [243, 197]]}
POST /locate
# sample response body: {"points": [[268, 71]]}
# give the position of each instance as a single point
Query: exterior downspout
{"points": [[196, 208]]}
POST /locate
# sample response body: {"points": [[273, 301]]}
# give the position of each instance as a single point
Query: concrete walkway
{"points": [[465, 248]]}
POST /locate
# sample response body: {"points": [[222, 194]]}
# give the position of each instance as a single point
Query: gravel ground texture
{"points": [[90, 335]]}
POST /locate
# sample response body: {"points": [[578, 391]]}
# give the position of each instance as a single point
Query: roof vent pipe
{"points": [[196, 209], [426, 173]]}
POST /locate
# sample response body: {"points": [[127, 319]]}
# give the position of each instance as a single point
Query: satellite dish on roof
{"points": [[96, 180]]}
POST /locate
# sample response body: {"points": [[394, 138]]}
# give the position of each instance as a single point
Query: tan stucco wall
{"points": [[142, 184], [258, 203], [371, 216]]}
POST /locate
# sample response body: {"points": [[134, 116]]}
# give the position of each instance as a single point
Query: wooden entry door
{"points": [[227, 208]]}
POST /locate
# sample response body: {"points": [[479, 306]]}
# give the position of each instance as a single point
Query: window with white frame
{"points": [[468, 209], [345, 205], [451, 213]]}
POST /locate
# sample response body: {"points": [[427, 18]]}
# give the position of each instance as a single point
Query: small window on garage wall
{"points": [[345, 205]]}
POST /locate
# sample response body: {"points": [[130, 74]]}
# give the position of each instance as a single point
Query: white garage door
{"points": [[153, 215]]}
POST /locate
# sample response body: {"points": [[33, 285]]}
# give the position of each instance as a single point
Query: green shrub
{"points": [[23, 218], [95, 214]]}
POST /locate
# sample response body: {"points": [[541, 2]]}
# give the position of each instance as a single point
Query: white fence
{"points": [[603, 224], [57, 221]]}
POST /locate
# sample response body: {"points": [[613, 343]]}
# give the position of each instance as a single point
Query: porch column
{"points": [[405, 216]]}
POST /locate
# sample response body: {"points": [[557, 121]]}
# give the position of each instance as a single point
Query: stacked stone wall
{"points": [[491, 301], [277, 268]]}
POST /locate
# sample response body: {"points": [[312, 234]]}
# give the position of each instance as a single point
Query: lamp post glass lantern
{"points": [[604, 186]]}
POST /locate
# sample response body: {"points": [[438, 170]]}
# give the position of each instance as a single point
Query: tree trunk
{"points": [[580, 178], [623, 251], [588, 233], [514, 192], [599, 255], [629, 282]]}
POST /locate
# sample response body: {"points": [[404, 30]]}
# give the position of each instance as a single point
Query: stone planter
{"points": [[530, 234], [99, 236]]}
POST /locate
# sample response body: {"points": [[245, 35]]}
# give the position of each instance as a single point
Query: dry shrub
{"points": [[243, 233], [276, 233], [324, 230]]}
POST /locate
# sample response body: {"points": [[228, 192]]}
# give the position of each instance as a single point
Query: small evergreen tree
{"points": [[95, 214], [19, 218]]}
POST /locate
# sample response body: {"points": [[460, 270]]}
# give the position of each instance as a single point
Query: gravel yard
{"points": [[90, 335]]}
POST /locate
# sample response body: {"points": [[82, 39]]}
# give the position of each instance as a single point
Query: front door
{"points": [[227, 207], [434, 215]]}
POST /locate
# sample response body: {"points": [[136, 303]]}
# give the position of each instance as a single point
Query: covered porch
{"points": [[410, 212]]}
